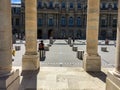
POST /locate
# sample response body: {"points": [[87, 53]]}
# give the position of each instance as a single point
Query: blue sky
{"points": [[15, 1]]}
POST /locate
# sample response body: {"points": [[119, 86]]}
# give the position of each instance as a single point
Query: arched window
{"points": [[71, 22], [78, 21], [79, 5], [50, 4], [63, 21], [63, 5], [40, 22], [50, 22], [71, 5]]}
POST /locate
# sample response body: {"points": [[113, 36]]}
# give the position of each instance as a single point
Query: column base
{"points": [[30, 62], [10, 82], [112, 81], [92, 63]]}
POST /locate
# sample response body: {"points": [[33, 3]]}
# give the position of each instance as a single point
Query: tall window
{"points": [[39, 4], [103, 6], [50, 22], [71, 5], [79, 6], [103, 23], [63, 21], [63, 5], [114, 23], [50, 4], [71, 22], [45, 5], [78, 21], [57, 5], [40, 22], [17, 22], [115, 6], [16, 10], [110, 6]]}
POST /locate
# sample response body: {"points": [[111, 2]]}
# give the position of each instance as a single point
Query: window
{"points": [[115, 6], [110, 5], [103, 6], [57, 5], [16, 10], [63, 21], [17, 22], [63, 5], [39, 5], [71, 22], [50, 22], [71, 5], [78, 21], [45, 5], [103, 23], [50, 4], [40, 22], [79, 6], [114, 23]]}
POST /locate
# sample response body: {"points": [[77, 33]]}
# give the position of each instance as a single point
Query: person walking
{"points": [[41, 49]]}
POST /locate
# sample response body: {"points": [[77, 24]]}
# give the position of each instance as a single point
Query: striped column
{"points": [[92, 61], [9, 78], [30, 59]]}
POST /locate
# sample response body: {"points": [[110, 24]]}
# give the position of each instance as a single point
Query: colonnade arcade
{"points": [[30, 61]]}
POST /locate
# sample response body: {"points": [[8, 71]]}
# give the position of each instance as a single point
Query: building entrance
{"points": [[39, 34]]}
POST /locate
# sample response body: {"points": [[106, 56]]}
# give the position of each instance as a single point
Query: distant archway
{"points": [[50, 33], [39, 34], [103, 34], [114, 34]]}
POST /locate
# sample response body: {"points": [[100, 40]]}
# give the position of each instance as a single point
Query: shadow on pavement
{"points": [[101, 75], [29, 80], [42, 58]]}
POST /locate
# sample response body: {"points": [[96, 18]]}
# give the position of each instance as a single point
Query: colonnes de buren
{"points": [[9, 77]]}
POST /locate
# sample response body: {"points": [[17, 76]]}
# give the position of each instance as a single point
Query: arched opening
{"points": [[39, 34], [79, 34], [63, 34], [103, 35], [114, 34], [50, 33]]}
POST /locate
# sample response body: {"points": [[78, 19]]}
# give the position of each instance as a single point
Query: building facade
{"points": [[66, 18]]}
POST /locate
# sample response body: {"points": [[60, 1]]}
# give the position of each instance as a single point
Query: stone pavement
{"points": [[61, 55], [54, 74], [63, 78]]}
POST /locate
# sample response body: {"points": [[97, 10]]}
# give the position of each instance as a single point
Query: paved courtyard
{"points": [[61, 54], [62, 70]]}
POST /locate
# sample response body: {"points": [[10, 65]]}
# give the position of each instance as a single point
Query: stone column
{"points": [[8, 77], [92, 61], [113, 77], [31, 58]]}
